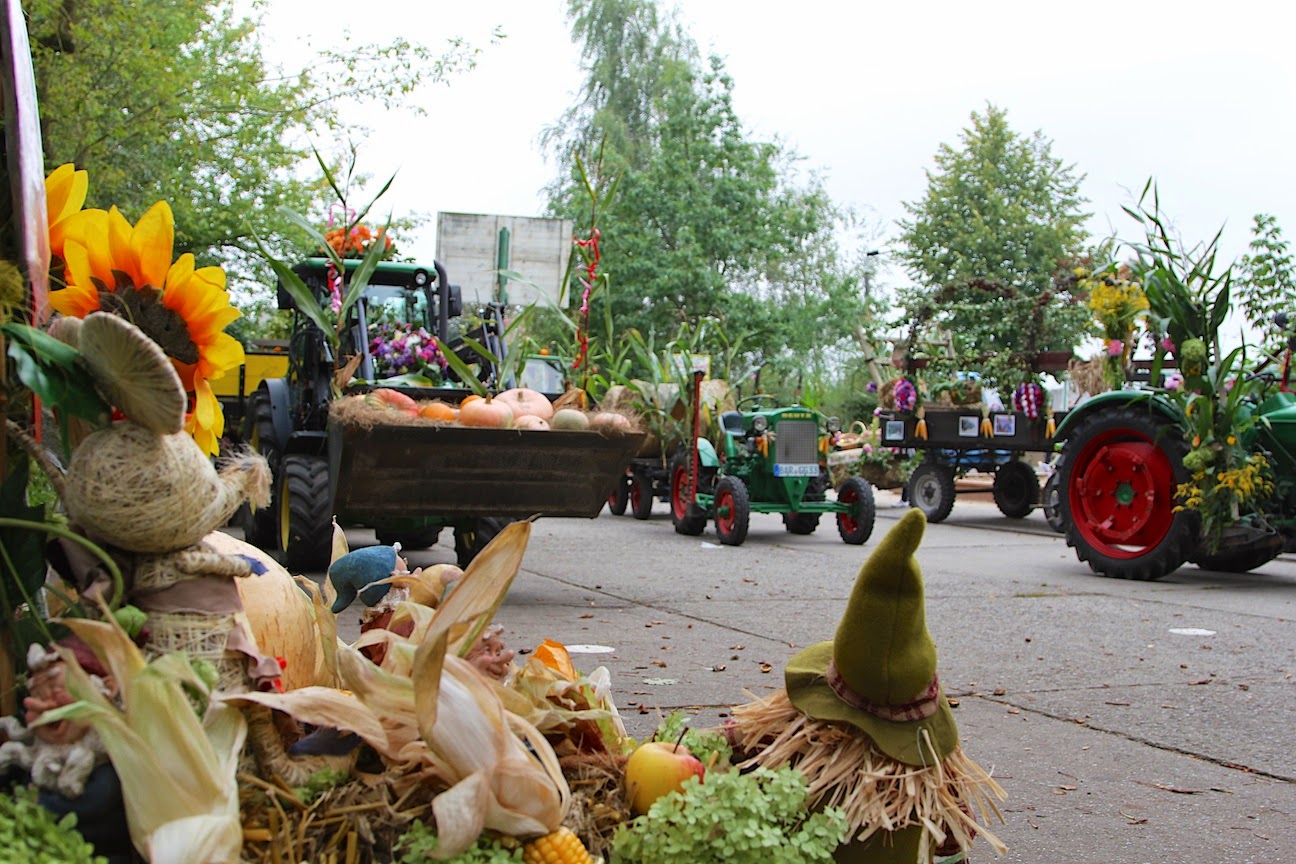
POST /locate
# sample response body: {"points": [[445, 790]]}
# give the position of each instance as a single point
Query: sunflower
{"points": [[114, 267], [65, 193]]}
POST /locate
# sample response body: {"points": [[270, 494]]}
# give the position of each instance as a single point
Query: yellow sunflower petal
{"points": [[181, 270], [207, 422], [224, 352], [80, 298], [151, 244], [65, 193], [203, 328], [119, 252]]}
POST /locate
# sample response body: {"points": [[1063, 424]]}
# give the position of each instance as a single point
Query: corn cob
{"points": [[560, 847]]}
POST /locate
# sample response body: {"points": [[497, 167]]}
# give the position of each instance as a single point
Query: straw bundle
{"points": [[845, 769]]}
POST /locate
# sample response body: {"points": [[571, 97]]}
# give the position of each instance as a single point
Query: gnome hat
{"points": [[879, 671]]}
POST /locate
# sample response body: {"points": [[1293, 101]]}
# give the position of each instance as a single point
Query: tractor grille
{"points": [[796, 442]]}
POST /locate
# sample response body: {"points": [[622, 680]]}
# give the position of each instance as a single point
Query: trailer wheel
{"points": [[1118, 474], [305, 522], [472, 538], [931, 490], [1053, 503], [261, 526], [641, 499], [620, 495], [689, 518], [856, 525], [732, 511], [416, 538], [1016, 489]]}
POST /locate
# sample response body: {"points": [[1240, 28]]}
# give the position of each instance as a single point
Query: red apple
{"points": [[657, 768]]}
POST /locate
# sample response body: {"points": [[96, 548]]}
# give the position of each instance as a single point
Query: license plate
{"points": [[796, 470]]}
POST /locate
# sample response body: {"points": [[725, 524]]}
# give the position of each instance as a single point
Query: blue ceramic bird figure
{"points": [[353, 572]]}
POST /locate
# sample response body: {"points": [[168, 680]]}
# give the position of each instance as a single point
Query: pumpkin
{"points": [[530, 421], [438, 411], [480, 412], [393, 400], [570, 418], [524, 400], [611, 421]]}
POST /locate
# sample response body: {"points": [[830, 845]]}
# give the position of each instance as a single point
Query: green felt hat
{"points": [[879, 671]]}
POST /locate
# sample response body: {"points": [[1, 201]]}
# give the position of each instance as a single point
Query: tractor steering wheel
{"points": [[756, 400]]}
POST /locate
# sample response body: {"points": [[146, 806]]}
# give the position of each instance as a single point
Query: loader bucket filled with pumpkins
{"points": [[513, 454]]}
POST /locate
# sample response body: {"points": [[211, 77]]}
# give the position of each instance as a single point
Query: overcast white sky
{"points": [[1198, 96]]}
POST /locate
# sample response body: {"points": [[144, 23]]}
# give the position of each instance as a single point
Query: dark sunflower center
{"points": [[143, 308]]}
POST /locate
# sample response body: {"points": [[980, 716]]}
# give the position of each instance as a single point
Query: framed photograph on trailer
{"points": [[895, 430], [968, 426], [1005, 425]]}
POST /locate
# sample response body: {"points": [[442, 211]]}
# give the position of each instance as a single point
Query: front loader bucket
{"points": [[385, 471]]}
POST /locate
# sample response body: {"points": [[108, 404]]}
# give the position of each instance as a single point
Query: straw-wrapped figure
{"points": [[864, 718]]}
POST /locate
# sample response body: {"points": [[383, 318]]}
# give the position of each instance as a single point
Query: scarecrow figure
{"points": [[864, 719]]}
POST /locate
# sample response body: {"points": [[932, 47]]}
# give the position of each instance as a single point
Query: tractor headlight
{"points": [[760, 423], [420, 278], [833, 425]]}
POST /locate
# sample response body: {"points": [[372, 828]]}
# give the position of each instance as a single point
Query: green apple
{"points": [[657, 768]]}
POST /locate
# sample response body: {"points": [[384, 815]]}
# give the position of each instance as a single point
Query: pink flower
{"points": [[1174, 381], [1167, 344], [1115, 348]]}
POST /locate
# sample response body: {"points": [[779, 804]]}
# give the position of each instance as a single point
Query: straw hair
{"points": [[133, 373], [844, 768], [145, 492]]}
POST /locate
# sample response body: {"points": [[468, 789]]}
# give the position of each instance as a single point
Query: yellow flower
{"points": [[65, 193], [127, 270], [1231, 439]]}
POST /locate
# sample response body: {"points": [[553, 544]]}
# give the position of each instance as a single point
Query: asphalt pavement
{"points": [[1129, 722]]}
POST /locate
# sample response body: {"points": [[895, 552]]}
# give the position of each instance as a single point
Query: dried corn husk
{"points": [[177, 772]]}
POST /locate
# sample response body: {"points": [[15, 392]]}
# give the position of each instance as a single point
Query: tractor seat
{"points": [[731, 423]]}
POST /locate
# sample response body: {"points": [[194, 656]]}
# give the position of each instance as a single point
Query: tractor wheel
{"points": [[1053, 503], [1118, 474], [1016, 489], [471, 539], [620, 495], [689, 518], [856, 525], [931, 490], [305, 522], [641, 498], [1244, 548], [801, 523], [414, 538], [732, 511], [261, 526]]}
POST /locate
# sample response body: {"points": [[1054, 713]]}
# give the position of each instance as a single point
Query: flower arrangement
{"points": [[401, 349], [1117, 302], [355, 242], [906, 395], [1028, 398]]}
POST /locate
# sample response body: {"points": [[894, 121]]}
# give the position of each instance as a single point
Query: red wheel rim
{"points": [[724, 511], [849, 495], [679, 485], [1122, 494]]}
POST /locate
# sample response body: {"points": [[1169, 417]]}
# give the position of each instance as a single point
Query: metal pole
{"points": [[502, 263]]}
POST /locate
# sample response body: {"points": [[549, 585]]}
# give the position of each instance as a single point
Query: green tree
{"points": [[178, 101], [706, 223], [1266, 281], [1000, 209]]}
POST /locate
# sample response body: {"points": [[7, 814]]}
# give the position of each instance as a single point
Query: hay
{"points": [[598, 803], [202, 637], [1087, 375], [356, 822], [845, 769]]}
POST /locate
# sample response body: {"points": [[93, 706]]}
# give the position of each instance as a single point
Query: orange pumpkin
{"points": [[480, 412], [438, 411], [471, 397]]}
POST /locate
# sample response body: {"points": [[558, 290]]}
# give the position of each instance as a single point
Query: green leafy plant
{"points": [[754, 818], [710, 747], [1267, 279], [419, 843], [30, 834]]}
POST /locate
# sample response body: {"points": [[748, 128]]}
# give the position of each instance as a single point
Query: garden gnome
{"points": [[864, 719]]}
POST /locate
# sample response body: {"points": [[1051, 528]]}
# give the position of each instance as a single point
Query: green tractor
{"points": [[770, 460]]}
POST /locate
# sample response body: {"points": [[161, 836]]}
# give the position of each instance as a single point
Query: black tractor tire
{"points": [[261, 526], [856, 527], [931, 490], [1118, 475], [1243, 549], [688, 517], [471, 539], [415, 538], [1016, 489], [305, 520], [641, 497], [801, 523], [732, 511], [1052, 503], [620, 497]]}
